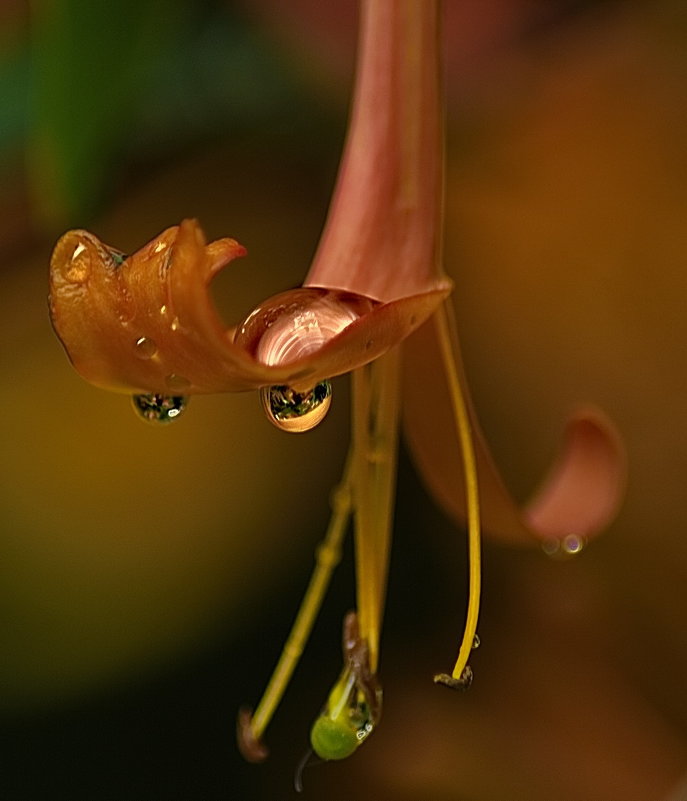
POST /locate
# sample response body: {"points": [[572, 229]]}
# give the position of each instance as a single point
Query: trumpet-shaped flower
{"points": [[374, 303]]}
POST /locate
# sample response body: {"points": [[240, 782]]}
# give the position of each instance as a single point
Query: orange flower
{"points": [[145, 324]]}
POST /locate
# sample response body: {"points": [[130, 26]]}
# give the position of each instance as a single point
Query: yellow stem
{"points": [[327, 558], [376, 403], [448, 342], [368, 487]]}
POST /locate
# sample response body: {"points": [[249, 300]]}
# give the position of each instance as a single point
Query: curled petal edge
{"points": [[147, 323], [580, 495], [584, 488]]}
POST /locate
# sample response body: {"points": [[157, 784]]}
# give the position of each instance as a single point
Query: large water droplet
{"points": [[296, 411], [156, 408]]}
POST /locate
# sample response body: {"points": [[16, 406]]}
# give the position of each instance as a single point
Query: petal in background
{"points": [[580, 496]]}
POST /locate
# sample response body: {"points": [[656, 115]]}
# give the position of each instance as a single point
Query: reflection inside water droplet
{"points": [[145, 348], [295, 411], [156, 408]]}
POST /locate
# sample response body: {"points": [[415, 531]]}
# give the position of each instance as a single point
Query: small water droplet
{"points": [[177, 382], [156, 408], [572, 544], [476, 642], [567, 546], [145, 348], [550, 547], [296, 411]]}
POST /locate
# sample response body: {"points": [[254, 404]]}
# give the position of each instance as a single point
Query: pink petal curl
{"points": [[580, 495]]}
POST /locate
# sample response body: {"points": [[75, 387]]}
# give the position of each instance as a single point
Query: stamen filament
{"points": [[327, 558], [376, 403], [448, 343]]}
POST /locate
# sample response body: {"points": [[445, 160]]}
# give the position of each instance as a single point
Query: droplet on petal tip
{"points": [[565, 547], [584, 488], [159, 409], [293, 411]]}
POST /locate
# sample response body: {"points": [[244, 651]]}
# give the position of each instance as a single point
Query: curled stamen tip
{"points": [[249, 745], [452, 683]]}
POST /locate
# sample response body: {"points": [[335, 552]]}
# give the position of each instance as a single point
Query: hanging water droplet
{"points": [[476, 642], [296, 411], [145, 348], [550, 547], [568, 546], [156, 408], [573, 544]]}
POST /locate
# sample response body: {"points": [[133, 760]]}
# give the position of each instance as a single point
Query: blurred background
{"points": [[149, 576]]}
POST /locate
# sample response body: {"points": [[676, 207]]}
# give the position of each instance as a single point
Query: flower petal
{"points": [[384, 229], [580, 495], [147, 323], [584, 488]]}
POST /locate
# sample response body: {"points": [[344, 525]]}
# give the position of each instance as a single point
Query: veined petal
{"points": [[580, 495], [147, 323], [383, 233]]}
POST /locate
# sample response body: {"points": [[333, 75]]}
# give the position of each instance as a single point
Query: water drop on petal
{"points": [[156, 408], [145, 348], [296, 411]]}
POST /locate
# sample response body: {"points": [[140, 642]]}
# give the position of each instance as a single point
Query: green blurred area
{"points": [[91, 88]]}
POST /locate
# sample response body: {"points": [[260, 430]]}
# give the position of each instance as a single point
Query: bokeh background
{"points": [[149, 576]]}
